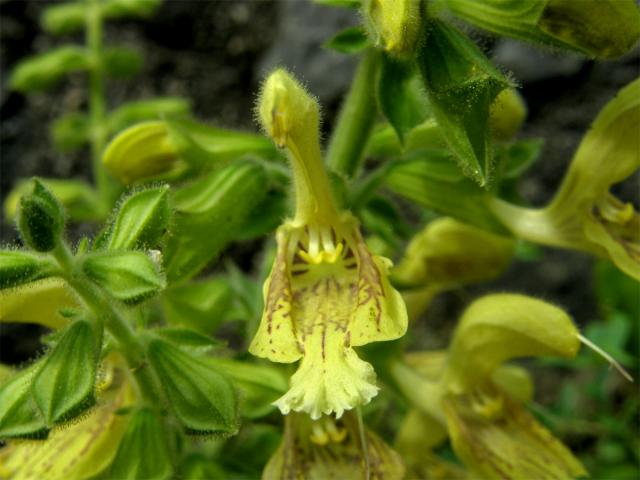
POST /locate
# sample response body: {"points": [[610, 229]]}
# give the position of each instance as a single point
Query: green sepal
{"points": [[71, 131], [350, 41], [202, 399], [604, 28], [19, 267], [214, 208], [429, 178], [259, 384], [130, 8], [401, 96], [143, 450], [142, 110], [64, 386], [42, 71], [461, 84], [63, 19], [130, 277], [79, 200], [121, 61], [140, 221], [40, 218], [187, 339], [199, 305], [19, 416], [204, 147]]}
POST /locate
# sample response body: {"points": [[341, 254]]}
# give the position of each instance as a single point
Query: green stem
{"points": [[356, 119], [130, 345], [97, 104]]}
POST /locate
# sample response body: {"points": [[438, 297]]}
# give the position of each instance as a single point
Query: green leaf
{"points": [[63, 19], [401, 96], [42, 71], [140, 221], [202, 399], [461, 84], [19, 416], [80, 201], [121, 61], [71, 131], [141, 110], [431, 180], [40, 218], [64, 386], [127, 276], [187, 339], [143, 452], [259, 384], [209, 215], [350, 40], [130, 8], [19, 267], [199, 305]]}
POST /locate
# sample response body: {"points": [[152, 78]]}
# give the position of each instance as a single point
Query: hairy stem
{"points": [[356, 119], [113, 319]]}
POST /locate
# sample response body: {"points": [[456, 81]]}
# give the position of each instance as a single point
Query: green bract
{"points": [[202, 399], [140, 221], [17, 268], [128, 276], [63, 387], [461, 84], [19, 415], [143, 451]]}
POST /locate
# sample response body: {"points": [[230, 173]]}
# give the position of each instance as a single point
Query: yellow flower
{"points": [[326, 448], [326, 293], [475, 398], [584, 215]]}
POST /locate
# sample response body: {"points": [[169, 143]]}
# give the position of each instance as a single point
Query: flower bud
{"points": [[393, 24], [40, 219], [507, 114], [142, 152]]}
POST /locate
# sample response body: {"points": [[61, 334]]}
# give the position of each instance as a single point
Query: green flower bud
{"points": [[142, 152], [507, 114], [393, 24], [40, 219]]}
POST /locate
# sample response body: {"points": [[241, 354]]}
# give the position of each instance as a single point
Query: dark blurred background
{"points": [[216, 53]]}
